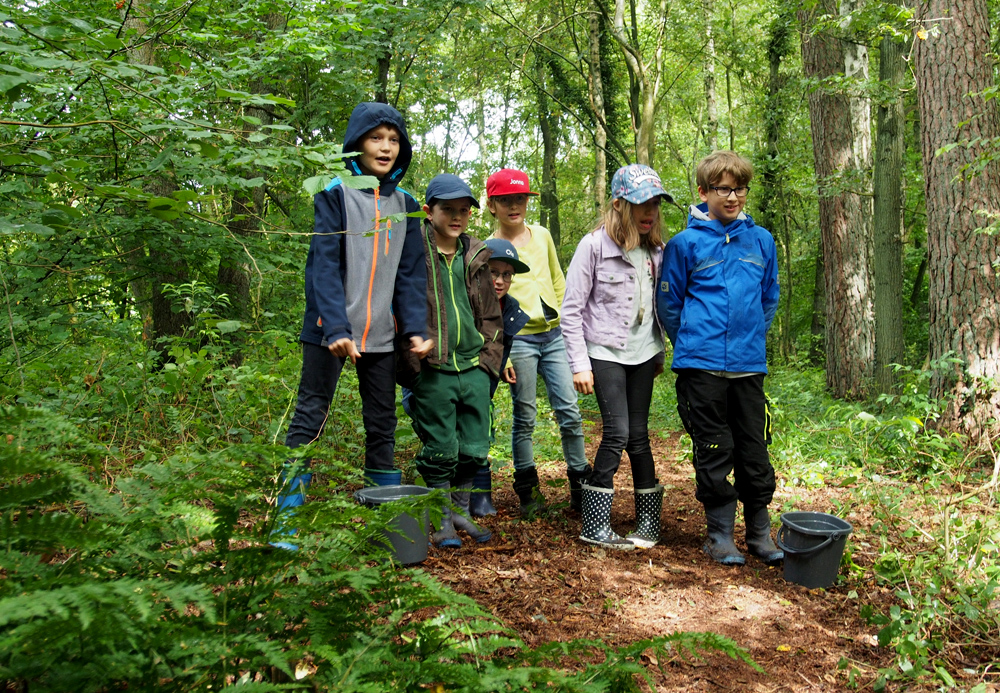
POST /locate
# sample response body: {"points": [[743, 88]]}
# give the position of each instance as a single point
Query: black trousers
{"points": [[727, 421], [377, 386], [624, 393]]}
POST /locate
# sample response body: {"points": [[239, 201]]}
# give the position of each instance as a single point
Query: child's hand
{"points": [[508, 375], [345, 348], [658, 370], [584, 382], [420, 346]]}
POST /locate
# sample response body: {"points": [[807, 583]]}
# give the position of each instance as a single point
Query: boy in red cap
{"points": [[538, 348]]}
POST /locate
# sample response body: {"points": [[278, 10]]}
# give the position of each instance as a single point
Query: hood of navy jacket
{"points": [[368, 116]]}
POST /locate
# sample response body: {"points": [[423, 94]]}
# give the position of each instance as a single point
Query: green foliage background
{"points": [[156, 160]]}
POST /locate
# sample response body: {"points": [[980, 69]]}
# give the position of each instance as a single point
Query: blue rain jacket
{"points": [[718, 294]]}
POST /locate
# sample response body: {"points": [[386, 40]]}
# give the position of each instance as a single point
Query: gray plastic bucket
{"points": [[408, 534], [813, 544]]}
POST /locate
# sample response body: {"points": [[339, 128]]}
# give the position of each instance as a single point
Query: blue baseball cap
{"points": [[637, 183], [506, 252], [448, 186]]}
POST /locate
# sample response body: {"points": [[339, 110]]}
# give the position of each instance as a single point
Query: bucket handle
{"points": [[836, 536]]}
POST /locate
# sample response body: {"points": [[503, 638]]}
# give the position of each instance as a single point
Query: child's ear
{"points": [[702, 194], [617, 204], [427, 210]]}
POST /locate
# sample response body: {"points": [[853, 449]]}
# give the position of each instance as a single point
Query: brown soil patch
{"points": [[545, 584]]}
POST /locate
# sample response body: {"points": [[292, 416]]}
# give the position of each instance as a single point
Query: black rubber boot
{"points": [[648, 509], [721, 521], [481, 503], [526, 488], [459, 515], [576, 481], [446, 537], [759, 536], [597, 519]]}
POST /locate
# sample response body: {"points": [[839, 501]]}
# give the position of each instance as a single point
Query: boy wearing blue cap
{"points": [[504, 264], [451, 386], [717, 297]]}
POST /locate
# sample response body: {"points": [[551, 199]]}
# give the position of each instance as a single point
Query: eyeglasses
{"points": [[723, 191], [507, 276]]}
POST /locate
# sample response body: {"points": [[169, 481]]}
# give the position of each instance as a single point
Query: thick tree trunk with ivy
{"points": [[952, 63], [548, 124], [772, 171], [887, 184], [842, 151]]}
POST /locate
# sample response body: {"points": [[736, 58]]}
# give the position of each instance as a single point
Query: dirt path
{"points": [[548, 586]]}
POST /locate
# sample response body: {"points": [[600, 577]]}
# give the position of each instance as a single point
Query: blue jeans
{"points": [[549, 360]]}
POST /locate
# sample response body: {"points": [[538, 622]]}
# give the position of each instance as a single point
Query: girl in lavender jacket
{"points": [[614, 343]]}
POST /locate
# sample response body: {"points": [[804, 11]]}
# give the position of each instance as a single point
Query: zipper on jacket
{"points": [[727, 236], [431, 251], [458, 316], [371, 279]]}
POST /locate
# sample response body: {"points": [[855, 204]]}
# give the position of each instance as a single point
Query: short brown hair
{"points": [[713, 167]]}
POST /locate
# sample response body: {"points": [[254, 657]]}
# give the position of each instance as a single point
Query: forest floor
{"points": [[546, 585]]}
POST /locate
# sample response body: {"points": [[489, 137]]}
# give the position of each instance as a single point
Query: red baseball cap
{"points": [[508, 181]]}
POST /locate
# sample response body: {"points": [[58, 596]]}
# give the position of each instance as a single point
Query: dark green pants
{"points": [[452, 411]]}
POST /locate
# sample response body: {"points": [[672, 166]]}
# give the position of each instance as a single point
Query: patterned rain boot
{"points": [[648, 509], [597, 519]]}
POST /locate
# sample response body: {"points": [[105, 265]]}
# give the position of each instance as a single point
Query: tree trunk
{"points": [[841, 152], [964, 285], [549, 126], [163, 264], [711, 107], [770, 203], [644, 76], [817, 327], [887, 179], [596, 86]]}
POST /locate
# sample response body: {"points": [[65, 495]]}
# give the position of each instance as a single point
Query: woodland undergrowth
{"points": [[136, 498]]}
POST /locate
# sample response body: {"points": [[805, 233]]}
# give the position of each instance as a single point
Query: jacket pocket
{"points": [[609, 287], [753, 266]]}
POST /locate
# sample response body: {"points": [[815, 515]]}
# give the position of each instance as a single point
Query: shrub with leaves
{"points": [[166, 582]]}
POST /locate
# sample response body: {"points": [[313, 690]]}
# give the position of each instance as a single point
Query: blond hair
{"points": [[621, 228], [713, 167]]}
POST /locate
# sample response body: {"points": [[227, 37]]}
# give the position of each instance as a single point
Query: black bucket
{"points": [[407, 535], [813, 544]]}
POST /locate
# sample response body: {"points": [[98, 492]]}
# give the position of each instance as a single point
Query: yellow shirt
{"points": [[540, 291]]}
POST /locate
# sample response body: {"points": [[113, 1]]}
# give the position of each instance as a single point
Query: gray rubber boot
{"points": [[648, 508], [460, 515], [576, 481], [597, 519], [721, 521], [446, 537], [759, 536], [481, 504]]}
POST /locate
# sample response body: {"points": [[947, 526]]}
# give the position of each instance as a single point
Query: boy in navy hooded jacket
{"points": [[717, 297], [362, 275]]}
